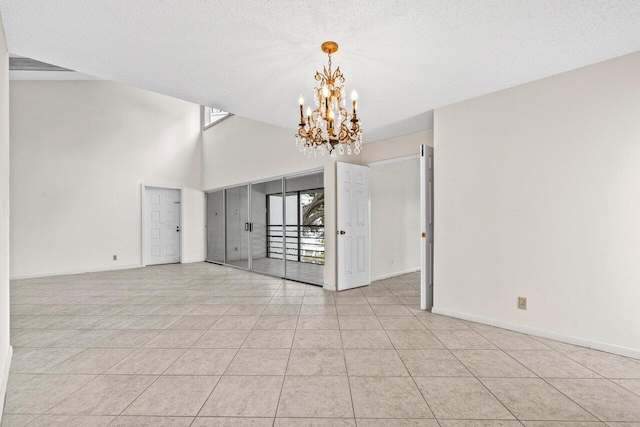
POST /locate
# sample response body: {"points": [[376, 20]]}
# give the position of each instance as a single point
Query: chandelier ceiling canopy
{"points": [[329, 126]]}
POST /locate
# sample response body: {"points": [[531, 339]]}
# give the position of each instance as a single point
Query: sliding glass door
{"points": [[215, 226], [266, 233], [237, 226], [305, 228], [273, 227]]}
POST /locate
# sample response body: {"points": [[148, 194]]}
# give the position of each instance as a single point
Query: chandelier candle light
{"points": [[329, 126]]}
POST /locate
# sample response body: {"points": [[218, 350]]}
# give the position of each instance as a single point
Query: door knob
{"points": [[341, 232]]}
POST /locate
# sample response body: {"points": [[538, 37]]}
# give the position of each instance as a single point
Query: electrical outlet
{"points": [[522, 303], [115, 257]]}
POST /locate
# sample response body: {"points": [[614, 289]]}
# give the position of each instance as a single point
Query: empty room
{"points": [[406, 213]]}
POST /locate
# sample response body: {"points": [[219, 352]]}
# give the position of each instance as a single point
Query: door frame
{"points": [[143, 210], [426, 202]]}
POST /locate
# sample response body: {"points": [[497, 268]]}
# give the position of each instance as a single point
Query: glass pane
{"points": [[266, 237], [215, 226], [237, 226], [305, 228]]}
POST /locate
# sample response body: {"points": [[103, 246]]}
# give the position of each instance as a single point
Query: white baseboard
{"points": [[86, 270], [394, 274], [328, 287], [543, 333], [5, 378]]}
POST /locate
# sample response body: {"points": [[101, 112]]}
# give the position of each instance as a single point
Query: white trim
{"points": [[394, 160], [143, 188], [84, 270], [395, 273], [5, 378], [543, 333]]}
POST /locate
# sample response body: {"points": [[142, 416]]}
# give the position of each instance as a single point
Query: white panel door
{"points": [[426, 220], [162, 225], [353, 226]]}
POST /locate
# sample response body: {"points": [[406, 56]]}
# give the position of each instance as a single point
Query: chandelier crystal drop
{"points": [[329, 126]]}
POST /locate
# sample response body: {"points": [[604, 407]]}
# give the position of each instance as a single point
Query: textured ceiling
{"points": [[252, 58]]}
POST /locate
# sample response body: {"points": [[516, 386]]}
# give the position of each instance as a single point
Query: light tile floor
{"points": [[204, 345]]}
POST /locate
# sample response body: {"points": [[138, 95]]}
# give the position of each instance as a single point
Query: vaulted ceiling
{"points": [[253, 57]]}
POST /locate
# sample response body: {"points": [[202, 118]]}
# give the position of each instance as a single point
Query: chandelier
{"points": [[329, 126]]}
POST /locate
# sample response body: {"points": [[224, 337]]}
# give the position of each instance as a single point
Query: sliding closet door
{"points": [[304, 219], [237, 226], [215, 226], [267, 231]]}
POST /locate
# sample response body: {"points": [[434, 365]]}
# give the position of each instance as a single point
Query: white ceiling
{"points": [[252, 58]]}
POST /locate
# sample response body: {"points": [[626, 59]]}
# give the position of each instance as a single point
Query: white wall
{"points": [[537, 195], [5, 349], [395, 218], [80, 151], [392, 148]]}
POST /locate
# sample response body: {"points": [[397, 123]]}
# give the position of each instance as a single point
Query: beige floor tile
{"points": [[463, 340], [195, 322], [39, 360], [202, 361], [244, 396], [174, 339], [374, 363], [362, 339], [146, 361], [282, 310], [479, 423], [128, 338], [461, 398], [492, 363], [269, 339], [315, 397], [41, 337], [359, 322], [71, 421], [315, 422], [39, 394], [175, 309], [606, 364], [91, 361], [105, 395], [400, 322], [318, 322], [153, 322], [435, 322], [391, 310], [246, 310], [601, 397], [563, 424], [433, 363], [321, 362], [508, 340], [354, 310], [84, 338], [276, 322], [318, 310], [173, 396], [232, 422], [414, 340], [222, 338], [259, 362], [533, 399], [115, 322], [209, 310], [633, 385], [551, 364], [370, 422], [380, 300], [387, 397], [320, 338], [235, 322], [141, 421], [11, 420]]}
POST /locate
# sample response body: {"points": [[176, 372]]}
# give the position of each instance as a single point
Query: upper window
{"points": [[211, 116]]}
